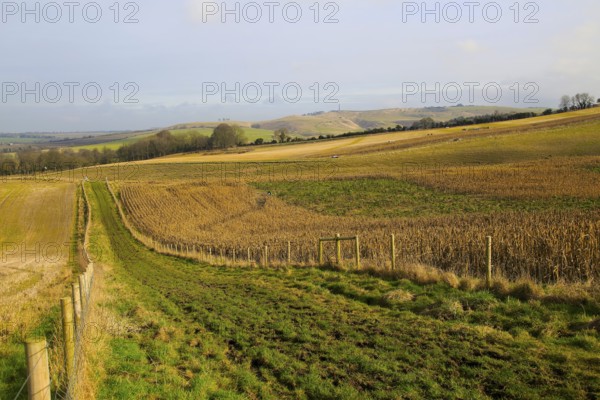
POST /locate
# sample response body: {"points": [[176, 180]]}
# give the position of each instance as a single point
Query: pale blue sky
{"points": [[371, 56]]}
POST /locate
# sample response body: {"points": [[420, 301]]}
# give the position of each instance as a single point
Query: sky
{"points": [[107, 65]]}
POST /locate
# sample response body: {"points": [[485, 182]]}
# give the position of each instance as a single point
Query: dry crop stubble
{"points": [[545, 245], [37, 222]]}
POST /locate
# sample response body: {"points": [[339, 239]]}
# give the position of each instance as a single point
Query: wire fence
{"points": [[532, 249], [58, 364], [348, 252]]}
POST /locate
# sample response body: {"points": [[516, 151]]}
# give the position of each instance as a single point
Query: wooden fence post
{"points": [[76, 294], [289, 253], [91, 273], [338, 249], [320, 252], [266, 256], [248, 255], [357, 253], [234, 256], [82, 293], [38, 370], [86, 280], [68, 336], [488, 257], [393, 251]]}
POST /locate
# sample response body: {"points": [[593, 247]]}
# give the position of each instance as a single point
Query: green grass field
{"points": [[390, 198], [236, 333], [113, 145]]}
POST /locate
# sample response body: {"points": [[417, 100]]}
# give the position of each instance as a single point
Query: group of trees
{"points": [[162, 144], [397, 128], [430, 123], [282, 135], [224, 136], [580, 101], [484, 119], [33, 160]]}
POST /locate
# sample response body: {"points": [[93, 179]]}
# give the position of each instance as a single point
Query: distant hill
{"points": [[337, 122], [315, 124]]}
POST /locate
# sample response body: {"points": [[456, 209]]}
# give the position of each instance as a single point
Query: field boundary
{"points": [[263, 255], [162, 248], [526, 246], [69, 341], [251, 256]]}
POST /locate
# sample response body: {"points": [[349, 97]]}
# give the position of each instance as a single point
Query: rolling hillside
{"points": [[355, 121], [480, 136], [328, 123]]}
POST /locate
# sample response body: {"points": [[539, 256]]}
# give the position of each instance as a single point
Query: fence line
{"points": [[74, 314], [388, 256], [385, 252]]}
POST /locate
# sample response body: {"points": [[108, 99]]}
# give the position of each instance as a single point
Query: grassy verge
{"points": [[13, 370], [227, 333]]}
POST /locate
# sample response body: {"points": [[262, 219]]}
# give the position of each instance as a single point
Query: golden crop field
{"points": [[35, 235], [228, 220], [539, 179], [537, 197]]}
